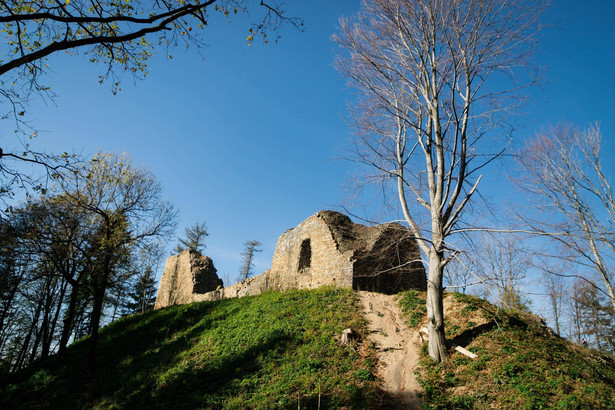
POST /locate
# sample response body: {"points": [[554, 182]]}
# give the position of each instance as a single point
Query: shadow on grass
{"points": [[360, 398], [467, 336], [208, 355], [129, 351], [206, 387]]}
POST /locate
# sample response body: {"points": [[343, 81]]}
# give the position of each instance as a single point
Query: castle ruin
{"points": [[327, 249]]}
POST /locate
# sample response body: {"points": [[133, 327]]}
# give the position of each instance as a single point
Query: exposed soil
{"points": [[398, 348]]}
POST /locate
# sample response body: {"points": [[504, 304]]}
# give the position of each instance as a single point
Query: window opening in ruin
{"points": [[305, 256]]}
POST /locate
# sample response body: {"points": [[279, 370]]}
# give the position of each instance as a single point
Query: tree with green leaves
{"points": [[247, 261], [592, 316], [126, 209], [119, 35], [195, 238], [115, 34], [48, 240], [69, 261], [142, 296], [60, 232]]}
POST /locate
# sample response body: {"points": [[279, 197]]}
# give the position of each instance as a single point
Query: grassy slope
{"points": [[267, 351], [271, 350], [521, 363]]}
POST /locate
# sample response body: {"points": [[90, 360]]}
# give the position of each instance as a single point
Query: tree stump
{"points": [[347, 336]]}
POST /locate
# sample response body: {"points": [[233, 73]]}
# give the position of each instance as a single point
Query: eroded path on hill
{"points": [[397, 346]]}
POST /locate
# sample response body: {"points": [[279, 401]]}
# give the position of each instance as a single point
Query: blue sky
{"points": [[246, 138]]}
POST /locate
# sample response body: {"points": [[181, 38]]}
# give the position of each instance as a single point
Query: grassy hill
{"points": [[278, 350], [521, 363], [269, 351]]}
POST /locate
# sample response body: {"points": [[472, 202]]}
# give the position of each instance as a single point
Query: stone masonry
{"points": [[327, 249], [185, 275]]}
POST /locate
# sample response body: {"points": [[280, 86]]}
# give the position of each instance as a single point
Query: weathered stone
{"points": [[186, 275], [327, 249]]}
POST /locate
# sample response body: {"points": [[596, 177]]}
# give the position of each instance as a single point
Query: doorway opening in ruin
{"points": [[305, 255]]}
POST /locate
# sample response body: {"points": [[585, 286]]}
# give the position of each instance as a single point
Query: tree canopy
{"points": [[114, 33], [121, 36]]}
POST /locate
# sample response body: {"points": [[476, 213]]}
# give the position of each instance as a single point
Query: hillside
{"points": [[278, 350], [520, 363], [272, 350]]}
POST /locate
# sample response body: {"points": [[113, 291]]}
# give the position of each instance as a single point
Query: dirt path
{"points": [[397, 346]]}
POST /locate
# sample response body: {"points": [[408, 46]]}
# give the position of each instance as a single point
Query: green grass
{"points": [[520, 364], [412, 305], [280, 349], [268, 351]]}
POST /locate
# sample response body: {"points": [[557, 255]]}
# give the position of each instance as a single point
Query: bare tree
{"points": [[556, 289], [504, 264], [498, 265], [562, 169], [459, 275], [436, 81], [247, 264]]}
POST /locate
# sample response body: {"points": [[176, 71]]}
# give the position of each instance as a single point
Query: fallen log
{"points": [[454, 346]]}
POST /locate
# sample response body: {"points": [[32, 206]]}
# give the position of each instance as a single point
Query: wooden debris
{"points": [[454, 346]]}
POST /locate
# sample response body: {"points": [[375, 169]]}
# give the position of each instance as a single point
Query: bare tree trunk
{"points": [[47, 343], [26, 343], [421, 68], [69, 319], [435, 308], [99, 296]]}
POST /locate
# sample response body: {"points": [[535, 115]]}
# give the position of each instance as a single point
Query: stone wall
{"points": [[327, 249], [186, 275]]}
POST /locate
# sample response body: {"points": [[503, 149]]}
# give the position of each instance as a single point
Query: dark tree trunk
{"points": [[21, 358], [69, 319], [9, 300], [47, 342], [99, 296]]}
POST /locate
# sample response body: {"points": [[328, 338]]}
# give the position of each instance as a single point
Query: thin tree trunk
{"points": [[43, 333], [68, 320], [556, 319], [26, 343], [9, 300], [47, 343], [99, 296]]}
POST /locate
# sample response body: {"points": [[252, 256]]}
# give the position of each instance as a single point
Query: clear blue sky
{"points": [[246, 137]]}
